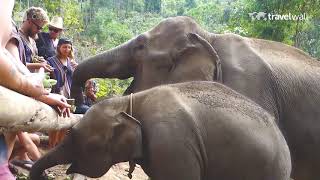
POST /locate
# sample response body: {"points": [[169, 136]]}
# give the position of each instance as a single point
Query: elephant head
{"points": [[176, 50], [93, 147], [59, 155]]}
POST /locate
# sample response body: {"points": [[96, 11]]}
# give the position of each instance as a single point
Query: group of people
{"points": [[26, 54]]}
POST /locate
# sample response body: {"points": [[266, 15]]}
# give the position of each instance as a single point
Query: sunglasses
{"points": [[54, 30], [38, 27]]}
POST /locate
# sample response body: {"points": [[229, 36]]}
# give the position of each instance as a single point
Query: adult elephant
{"points": [[185, 131], [280, 78]]}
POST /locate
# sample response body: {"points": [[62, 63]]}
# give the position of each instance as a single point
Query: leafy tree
{"points": [[72, 18], [152, 6], [172, 7], [140, 22], [209, 16], [190, 4], [309, 38], [111, 87], [298, 33], [107, 30]]}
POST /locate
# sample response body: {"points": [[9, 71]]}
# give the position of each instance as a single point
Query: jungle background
{"points": [[98, 25]]}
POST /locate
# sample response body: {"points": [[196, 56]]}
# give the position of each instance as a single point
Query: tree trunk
{"points": [[22, 113]]}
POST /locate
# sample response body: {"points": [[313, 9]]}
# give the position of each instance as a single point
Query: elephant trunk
{"points": [[114, 63], [59, 155]]}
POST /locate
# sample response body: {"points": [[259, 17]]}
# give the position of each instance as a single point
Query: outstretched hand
{"points": [[58, 102]]}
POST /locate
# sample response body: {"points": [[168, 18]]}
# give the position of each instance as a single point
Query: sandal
{"points": [[13, 168], [26, 164]]}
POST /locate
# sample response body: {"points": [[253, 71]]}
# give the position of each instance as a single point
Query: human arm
{"points": [[11, 78], [31, 148], [12, 47], [35, 66], [5, 21], [30, 84]]}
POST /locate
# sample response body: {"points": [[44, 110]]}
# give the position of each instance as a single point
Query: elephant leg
{"points": [[303, 171], [305, 157], [169, 167], [171, 159]]}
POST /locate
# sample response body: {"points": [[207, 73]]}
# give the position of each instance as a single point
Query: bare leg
{"points": [[10, 141], [27, 141], [23, 146]]}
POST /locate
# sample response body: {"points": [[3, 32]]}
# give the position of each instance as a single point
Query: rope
{"points": [[132, 164], [131, 95]]}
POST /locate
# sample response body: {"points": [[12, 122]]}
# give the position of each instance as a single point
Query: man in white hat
{"points": [[47, 42]]}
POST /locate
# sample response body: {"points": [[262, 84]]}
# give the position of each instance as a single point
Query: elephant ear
{"points": [[213, 53], [127, 137], [198, 60]]}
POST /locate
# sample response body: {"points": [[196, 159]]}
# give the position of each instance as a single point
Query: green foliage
{"points": [[140, 22], [282, 31], [173, 7], [52, 6], [190, 3], [309, 38], [209, 16], [107, 30], [153, 6], [72, 17], [111, 87]]}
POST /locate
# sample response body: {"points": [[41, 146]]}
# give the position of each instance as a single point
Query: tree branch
{"points": [[22, 113]]}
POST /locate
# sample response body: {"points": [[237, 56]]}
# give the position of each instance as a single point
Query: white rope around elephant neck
{"points": [[132, 164], [130, 110]]}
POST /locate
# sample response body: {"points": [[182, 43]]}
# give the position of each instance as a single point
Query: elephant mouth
{"points": [[89, 170], [72, 169]]}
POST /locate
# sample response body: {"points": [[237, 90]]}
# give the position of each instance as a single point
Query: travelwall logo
{"points": [[277, 17]]}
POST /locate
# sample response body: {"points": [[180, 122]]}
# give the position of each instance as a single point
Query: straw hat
{"points": [[56, 22]]}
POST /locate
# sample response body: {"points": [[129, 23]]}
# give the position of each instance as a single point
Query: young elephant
{"points": [[187, 131]]}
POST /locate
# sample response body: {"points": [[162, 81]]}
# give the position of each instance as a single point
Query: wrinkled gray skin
{"points": [[187, 131], [280, 78]]}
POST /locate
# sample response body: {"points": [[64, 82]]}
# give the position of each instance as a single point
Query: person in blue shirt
{"points": [[63, 70]]}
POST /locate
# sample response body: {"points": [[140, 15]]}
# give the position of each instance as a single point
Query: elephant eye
{"points": [[140, 47], [141, 42]]}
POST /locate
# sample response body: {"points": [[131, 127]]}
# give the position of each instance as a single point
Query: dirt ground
{"points": [[116, 172]]}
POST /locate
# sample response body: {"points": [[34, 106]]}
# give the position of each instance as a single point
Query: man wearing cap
{"points": [[33, 21], [47, 42]]}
